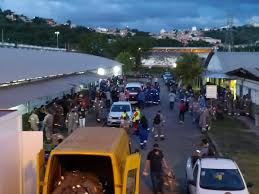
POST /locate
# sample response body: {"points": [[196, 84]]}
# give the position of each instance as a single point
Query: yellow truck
{"points": [[102, 152]]}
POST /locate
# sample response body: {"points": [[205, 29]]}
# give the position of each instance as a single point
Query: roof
{"points": [[218, 163], [5, 112], [18, 64], [92, 140], [20, 94], [133, 84], [224, 62]]}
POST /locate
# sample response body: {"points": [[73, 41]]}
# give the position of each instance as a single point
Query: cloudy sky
{"points": [[147, 15]]}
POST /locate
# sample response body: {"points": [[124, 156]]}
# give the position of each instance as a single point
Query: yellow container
{"points": [[104, 151]]}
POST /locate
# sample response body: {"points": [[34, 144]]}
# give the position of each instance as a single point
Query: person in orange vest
{"points": [[135, 121]]}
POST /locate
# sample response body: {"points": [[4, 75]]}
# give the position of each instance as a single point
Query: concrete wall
{"points": [[18, 155], [10, 162]]}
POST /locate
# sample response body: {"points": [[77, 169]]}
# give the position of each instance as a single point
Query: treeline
{"points": [[241, 35]]}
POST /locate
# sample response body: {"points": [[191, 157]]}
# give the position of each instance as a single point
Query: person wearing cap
{"points": [[155, 162]]}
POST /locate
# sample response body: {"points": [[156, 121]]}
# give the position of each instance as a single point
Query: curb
{"points": [[215, 145]]}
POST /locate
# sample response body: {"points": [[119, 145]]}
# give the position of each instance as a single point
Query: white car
{"points": [[133, 89], [212, 175], [114, 116]]}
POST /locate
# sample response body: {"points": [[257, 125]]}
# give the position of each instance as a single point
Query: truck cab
{"points": [[97, 151]]}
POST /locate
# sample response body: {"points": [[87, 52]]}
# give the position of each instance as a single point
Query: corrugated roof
{"points": [[20, 94], [224, 62], [17, 64]]}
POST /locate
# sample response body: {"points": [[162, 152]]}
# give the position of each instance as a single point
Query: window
{"points": [[120, 108], [221, 179], [131, 182], [195, 173]]}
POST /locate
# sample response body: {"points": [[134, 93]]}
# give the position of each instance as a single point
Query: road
{"points": [[177, 147], [179, 143]]}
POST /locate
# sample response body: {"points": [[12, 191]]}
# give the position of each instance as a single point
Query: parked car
{"points": [[133, 89], [214, 175], [114, 116]]}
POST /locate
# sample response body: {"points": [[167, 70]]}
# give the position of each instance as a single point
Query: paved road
{"points": [[179, 143], [177, 147]]}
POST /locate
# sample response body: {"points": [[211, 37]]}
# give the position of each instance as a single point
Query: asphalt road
{"points": [[180, 141], [177, 147]]}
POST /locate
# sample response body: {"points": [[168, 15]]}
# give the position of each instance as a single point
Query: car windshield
{"points": [[221, 179], [120, 108], [133, 89]]}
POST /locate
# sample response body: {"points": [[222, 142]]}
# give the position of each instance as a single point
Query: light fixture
{"points": [[101, 71], [116, 70]]}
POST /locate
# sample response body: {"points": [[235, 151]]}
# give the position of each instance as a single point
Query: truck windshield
{"points": [[120, 108], [221, 179]]}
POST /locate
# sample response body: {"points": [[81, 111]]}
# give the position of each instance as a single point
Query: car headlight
{"points": [[110, 117]]}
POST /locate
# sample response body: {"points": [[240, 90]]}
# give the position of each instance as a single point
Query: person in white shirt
{"points": [[172, 97]]}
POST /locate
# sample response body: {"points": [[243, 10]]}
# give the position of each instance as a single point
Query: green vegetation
{"points": [[241, 34], [127, 60], [188, 68], [236, 141]]}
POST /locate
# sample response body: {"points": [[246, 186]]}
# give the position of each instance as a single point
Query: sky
{"points": [[146, 15]]}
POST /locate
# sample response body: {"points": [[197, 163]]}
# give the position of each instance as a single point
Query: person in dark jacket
{"points": [[143, 132]]}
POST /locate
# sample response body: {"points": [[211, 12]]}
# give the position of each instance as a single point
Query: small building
{"points": [[238, 70]]}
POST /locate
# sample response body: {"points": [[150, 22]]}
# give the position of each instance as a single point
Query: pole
{"points": [[2, 35], [57, 40]]}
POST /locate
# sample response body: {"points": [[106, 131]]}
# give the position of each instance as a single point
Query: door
{"points": [[40, 171], [131, 174], [195, 176]]}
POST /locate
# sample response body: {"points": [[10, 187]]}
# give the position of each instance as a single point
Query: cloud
{"points": [[149, 15]]}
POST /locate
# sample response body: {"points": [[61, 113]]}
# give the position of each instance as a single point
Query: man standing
{"points": [[158, 126], [155, 161], [141, 99], [172, 97], [72, 120], [48, 125], [34, 120], [135, 121]]}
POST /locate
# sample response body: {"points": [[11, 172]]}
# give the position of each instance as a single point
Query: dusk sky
{"points": [[147, 15]]}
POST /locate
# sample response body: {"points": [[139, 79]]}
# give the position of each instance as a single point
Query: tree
{"points": [[127, 60], [188, 68]]}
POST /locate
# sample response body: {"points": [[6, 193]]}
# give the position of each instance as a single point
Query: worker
{"points": [[48, 125], [125, 121], [143, 132], [158, 126], [34, 120], [135, 121], [72, 120]]}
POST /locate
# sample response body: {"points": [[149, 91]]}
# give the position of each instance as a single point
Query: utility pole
{"points": [[229, 40], [2, 35]]}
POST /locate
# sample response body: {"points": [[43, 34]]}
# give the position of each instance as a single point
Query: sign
{"points": [[211, 91]]}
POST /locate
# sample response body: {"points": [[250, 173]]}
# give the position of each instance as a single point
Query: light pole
{"points": [[57, 33]]}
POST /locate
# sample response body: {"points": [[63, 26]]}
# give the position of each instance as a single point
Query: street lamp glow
{"points": [[116, 70], [101, 71], [57, 33]]}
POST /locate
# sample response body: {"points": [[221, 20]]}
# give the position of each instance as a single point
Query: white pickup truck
{"points": [[212, 175]]}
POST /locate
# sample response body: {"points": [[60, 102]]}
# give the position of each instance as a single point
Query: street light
{"points": [[57, 33]]}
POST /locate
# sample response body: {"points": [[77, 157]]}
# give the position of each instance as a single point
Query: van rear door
{"points": [[131, 174], [40, 171]]}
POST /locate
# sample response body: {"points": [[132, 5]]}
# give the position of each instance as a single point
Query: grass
{"points": [[236, 141]]}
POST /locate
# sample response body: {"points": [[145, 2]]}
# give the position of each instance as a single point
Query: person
{"points": [[155, 162], [72, 120], [34, 120], [204, 147], [109, 99], [135, 121], [48, 125], [125, 121], [204, 121], [122, 96], [82, 115], [181, 111], [141, 99], [41, 115], [172, 97], [143, 132], [158, 126]]}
